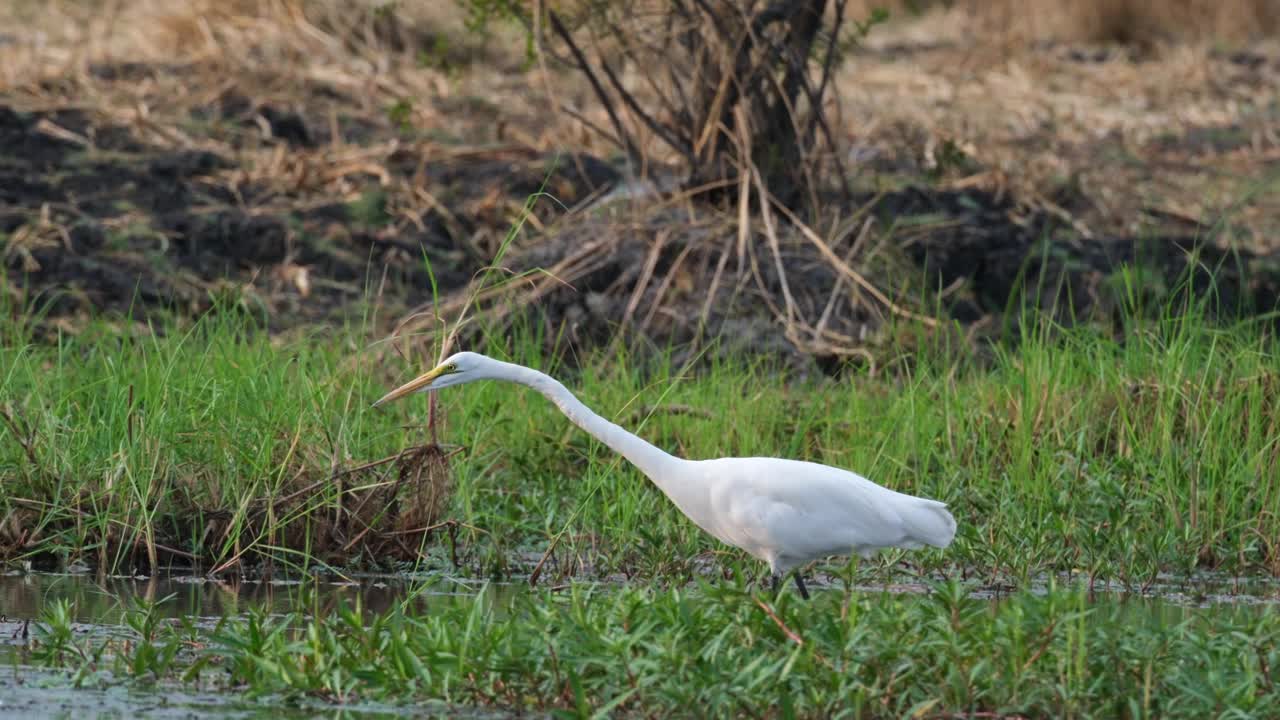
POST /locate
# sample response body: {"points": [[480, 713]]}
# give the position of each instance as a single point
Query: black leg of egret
{"points": [[773, 586], [804, 593]]}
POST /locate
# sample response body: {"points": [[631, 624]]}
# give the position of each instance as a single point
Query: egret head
{"points": [[456, 369]]}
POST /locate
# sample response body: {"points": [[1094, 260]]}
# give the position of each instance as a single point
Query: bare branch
{"points": [[630, 101], [632, 153]]}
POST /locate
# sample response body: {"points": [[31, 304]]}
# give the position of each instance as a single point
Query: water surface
{"points": [[99, 604]]}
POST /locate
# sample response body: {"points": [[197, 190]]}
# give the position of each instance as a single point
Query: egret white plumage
{"points": [[783, 512]]}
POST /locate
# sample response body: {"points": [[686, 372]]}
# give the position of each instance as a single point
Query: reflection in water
{"points": [[105, 599], [100, 603], [27, 692]]}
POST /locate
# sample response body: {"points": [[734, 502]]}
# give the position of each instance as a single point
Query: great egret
{"points": [[784, 512]]}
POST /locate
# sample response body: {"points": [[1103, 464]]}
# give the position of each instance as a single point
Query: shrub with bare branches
{"points": [[724, 88]]}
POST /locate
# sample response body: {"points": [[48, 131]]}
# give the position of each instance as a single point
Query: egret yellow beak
{"points": [[413, 385]]}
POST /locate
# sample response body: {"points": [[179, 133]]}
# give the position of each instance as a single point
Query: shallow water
{"points": [[104, 599], [1203, 592], [100, 602], [29, 692], [99, 605]]}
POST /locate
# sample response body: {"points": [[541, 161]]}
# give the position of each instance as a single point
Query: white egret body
{"points": [[784, 512]]}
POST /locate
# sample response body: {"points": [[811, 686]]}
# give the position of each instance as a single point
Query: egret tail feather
{"points": [[928, 522]]}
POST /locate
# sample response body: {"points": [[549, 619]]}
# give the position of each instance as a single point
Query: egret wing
{"points": [[799, 511]]}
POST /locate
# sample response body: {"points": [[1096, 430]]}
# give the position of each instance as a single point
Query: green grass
{"points": [[714, 650], [1119, 459]]}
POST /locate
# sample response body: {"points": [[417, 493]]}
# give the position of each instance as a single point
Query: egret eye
{"points": [[452, 368]]}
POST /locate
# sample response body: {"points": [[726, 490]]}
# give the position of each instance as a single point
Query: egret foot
{"points": [[804, 593]]}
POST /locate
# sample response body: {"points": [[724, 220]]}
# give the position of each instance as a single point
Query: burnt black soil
{"points": [[1004, 258], [93, 219]]}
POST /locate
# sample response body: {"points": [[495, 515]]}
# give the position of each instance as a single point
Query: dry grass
{"points": [[1146, 23], [288, 49], [1186, 137], [1141, 22], [387, 99], [1033, 118]]}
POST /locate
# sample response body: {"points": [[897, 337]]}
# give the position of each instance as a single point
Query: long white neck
{"points": [[656, 464]]}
